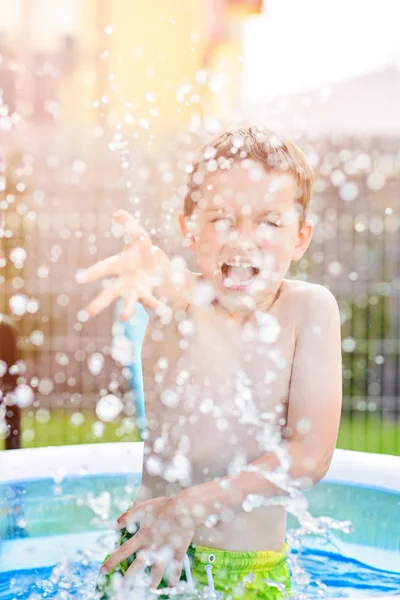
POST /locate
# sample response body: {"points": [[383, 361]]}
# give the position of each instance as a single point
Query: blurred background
{"points": [[102, 104]]}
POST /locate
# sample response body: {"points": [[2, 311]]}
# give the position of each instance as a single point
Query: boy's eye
{"points": [[222, 223], [272, 221]]}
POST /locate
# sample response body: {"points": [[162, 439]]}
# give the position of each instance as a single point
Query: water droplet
{"points": [[82, 316], [28, 435], [269, 327], [79, 167], [334, 268], [348, 192], [77, 419], [42, 416], [24, 395], [43, 271], [122, 350], [63, 300], [170, 398], [348, 344], [18, 282], [18, 255], [179, 469], [18, 304], [256, 174], [109, 407], [129, 119], [206, 405], [162, 363], [55, 253], [153, 466], [303, 426], [186, 327], [95, 363], [376, 181], [59, 476], [98, 429], [157, 335], [222, 424], [45, 386], [37, 338], [32, 306], [211, 521], [100, 504]]}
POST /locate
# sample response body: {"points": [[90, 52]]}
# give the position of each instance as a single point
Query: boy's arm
{"points": [[313, 415]]}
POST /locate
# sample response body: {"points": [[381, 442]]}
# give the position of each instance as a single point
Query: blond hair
{"points": [[273, 152]]}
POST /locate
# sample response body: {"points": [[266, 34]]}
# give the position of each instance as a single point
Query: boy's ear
{"points": [[187, 234], [304, 239]]}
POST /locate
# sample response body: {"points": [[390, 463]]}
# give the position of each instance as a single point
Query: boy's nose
{"points": [[246, 242], [242, 239]]}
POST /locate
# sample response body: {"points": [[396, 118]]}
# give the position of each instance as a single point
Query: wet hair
{"points": [[237, 144]]}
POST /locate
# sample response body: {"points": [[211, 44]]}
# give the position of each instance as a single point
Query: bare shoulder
{"points": [[306, 294], [310, 302]]}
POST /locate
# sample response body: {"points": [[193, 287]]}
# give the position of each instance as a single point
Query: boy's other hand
{"points": [[132, 272], [166, 528]]}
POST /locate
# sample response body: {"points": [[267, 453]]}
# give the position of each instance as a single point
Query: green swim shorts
{"points": [[233, 575]]}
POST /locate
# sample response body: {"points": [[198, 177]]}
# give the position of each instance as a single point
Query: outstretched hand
{"points": [[165, 530], [132, 272]]}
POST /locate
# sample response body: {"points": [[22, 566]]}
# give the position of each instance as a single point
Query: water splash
{"points": [[109, 407]]}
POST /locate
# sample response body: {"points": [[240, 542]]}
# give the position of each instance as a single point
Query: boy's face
{"points": [[245, 231]]}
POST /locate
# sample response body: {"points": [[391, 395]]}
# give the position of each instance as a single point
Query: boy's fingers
{"points": [[130, 225], [177, 564], [175, 571], [121, 215], [129, 306], [130, 547], [103, 268], [150, 301], [130, 517], [157, 573], [134, 514], [104, 299], [139, 564], [147, 299]]}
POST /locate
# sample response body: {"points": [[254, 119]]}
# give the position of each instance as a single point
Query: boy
{"points": [[245, 397]]}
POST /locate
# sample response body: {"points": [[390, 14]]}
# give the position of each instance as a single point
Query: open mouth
{"points": [[238, 273]]}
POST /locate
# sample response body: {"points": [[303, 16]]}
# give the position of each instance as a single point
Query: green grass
{"points": [[59, 428], [368, 433], [364, 432]]}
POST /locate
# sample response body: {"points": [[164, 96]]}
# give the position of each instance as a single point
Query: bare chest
{"points": [[207, 378]]}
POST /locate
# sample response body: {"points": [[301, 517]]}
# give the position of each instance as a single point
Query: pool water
{"points": [[54, 534]]}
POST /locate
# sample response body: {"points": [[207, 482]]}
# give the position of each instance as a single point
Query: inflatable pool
{"points": [[58, 505]]}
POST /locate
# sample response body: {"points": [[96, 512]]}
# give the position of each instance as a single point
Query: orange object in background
{"points": [[219, 13], [251, 6], [223, 55]]}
